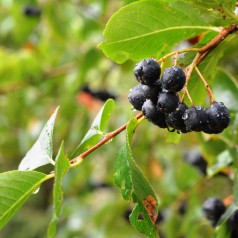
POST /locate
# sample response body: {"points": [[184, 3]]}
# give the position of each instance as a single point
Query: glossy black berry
{"points": [[195, 158], [167, 101], [140, 93], [151, 92], [173, 79], [218, 116], [213, 208], [137, 97], [195, 118], [175, 120], [147, 71], [151, 112], [32, 11]]}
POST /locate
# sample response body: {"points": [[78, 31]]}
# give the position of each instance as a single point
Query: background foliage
{"points": [[47, 60]]}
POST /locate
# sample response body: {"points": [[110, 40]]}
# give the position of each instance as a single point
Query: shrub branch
{"points": [[200, 56]]}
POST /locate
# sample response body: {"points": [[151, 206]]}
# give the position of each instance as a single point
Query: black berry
{"points": [[213, 208], [183, 207], [151, 92], [147, 71], [32, 11], [173, 79], [218, 116], [137, 97], [232, 222], [195, 118], [151, 112], [140, 93], [195, 158], [175, 120], [167, 101]]}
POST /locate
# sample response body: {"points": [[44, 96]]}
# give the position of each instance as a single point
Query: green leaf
{"points": [[41, 152], [96, 131], [135, 187], [225, 88], [61, 168], [15, 188], [228, 4], [173, 137], [222, 161], [219, 6], [139, 30]]}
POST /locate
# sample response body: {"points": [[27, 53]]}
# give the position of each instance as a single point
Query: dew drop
{"points": [[109, 141], [198, 108], [185, 116], [36, 191]]}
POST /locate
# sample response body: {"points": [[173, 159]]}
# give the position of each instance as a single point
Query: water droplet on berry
{"points": [[198, 108], [185, 116]]}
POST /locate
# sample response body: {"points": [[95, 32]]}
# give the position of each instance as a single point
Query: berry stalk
{"points": [[209, 91]]}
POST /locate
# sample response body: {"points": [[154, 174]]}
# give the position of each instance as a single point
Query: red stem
{"points": [[104, 140]]}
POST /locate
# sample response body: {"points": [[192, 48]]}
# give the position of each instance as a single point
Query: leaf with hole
{"points": [[135, 187]]}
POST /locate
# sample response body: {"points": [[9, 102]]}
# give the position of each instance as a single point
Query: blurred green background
{"points": [[49, 54]]}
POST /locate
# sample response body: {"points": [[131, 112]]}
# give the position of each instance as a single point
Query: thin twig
{"points": [[209, 91], [188, 71], [103, 141], [175, 58], [189, 97], [178, 52], [217, 40]]}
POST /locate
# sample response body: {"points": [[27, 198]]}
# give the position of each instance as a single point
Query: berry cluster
{"points": [[159, 101]]}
